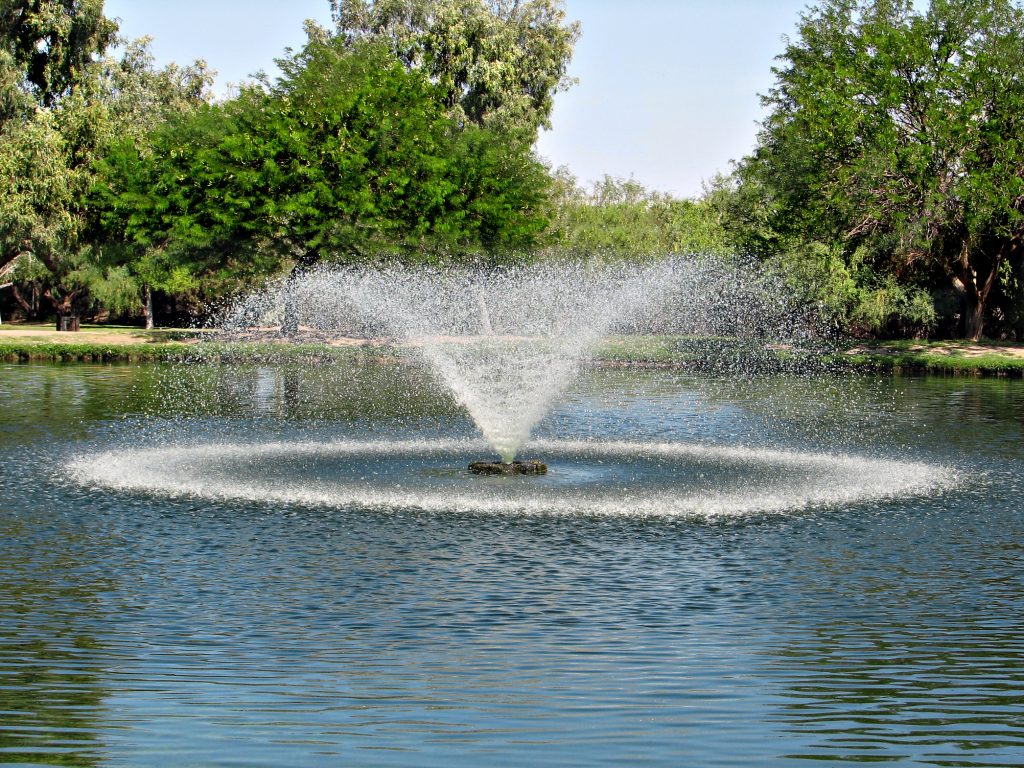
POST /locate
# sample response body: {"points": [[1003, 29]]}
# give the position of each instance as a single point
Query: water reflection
{"points": [[926, 692], [52, 679]]}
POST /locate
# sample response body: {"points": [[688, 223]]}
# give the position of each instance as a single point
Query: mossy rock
{"points": [[513, 468]]}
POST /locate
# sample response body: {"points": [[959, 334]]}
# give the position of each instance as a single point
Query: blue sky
{"points": [[667, 90]]}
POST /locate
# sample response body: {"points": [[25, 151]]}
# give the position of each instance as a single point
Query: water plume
{"points": [[506, 343]]}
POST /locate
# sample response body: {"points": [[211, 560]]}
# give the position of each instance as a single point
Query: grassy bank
{"points": [[124, 344], [106, 344], [163, 352], [24, 351], [950, 358], [706, 353], [947, 358]]}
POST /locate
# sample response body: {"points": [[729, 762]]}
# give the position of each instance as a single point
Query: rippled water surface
{"points": [[259, 566]]}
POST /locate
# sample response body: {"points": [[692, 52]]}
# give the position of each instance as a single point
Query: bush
{"points": [[852, 295], [894, 311]]}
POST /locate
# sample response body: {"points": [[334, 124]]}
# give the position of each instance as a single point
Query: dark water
{"points": [[145, 630]]}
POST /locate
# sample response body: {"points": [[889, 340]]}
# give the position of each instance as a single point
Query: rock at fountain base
{"points": [[515, 468]]}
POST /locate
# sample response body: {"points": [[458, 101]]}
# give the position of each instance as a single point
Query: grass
{"points": [[84, 352], [40, 331], [707, 354], [950, 358], [938, 357], [134, 345], [639, 349], [127, 344], [24, 350]]}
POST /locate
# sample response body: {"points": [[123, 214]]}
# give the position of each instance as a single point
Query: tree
{"points": [[51, 42], [621, 219], [350, 156], [40, 189], [900, 135], [136, 97], [43, 44], [178, 205], [497, 62], [63, 102]]}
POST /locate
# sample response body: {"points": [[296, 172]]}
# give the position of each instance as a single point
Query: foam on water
{"points": [[773, 481]]}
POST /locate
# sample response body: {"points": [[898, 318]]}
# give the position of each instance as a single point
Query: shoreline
{"points": [[128, 345]]}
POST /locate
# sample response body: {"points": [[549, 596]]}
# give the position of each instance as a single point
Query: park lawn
{"points": [[127, 344], [45, 333], [987, 357], [114, 343]]}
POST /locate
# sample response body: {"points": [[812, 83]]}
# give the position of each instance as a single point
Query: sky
{"points": [[667, 90]]}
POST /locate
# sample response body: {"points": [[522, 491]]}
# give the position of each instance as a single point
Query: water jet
{"points": [[505, 344]]}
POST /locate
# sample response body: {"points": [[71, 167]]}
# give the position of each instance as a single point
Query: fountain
{"points": [[506, 345], [532, 467]]}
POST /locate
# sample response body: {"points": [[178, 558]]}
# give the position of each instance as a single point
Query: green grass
{"points": [[153, 336], [639, 349], [712, 354], [899, 358], [22, 351], [26, 350], [706, 354]]}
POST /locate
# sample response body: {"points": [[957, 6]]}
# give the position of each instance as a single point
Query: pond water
{"points": [[165, 603]]}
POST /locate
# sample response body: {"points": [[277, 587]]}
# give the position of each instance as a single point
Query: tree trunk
{"points": [[22, 301], [147, 306], [290, 322], [67, 317], [973, 318], [485, 317], [9, 255], [974, 293], [292, 308]]}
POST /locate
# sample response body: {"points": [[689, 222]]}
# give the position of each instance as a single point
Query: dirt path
{"points": [[85, 336], [952, 349]]}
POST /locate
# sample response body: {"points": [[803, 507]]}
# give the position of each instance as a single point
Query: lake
{"points": [[198, 568]]}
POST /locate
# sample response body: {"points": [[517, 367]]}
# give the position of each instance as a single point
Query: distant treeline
{"points": [[887, 185]]}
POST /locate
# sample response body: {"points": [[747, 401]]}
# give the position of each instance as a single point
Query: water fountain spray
{"points": [[505, 343]]}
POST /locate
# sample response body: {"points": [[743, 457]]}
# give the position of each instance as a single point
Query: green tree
{"points": [[43, 45], [50, 43], [66, 101], [621, 219], [349, 156], [899, 135], [497, 62], [178, 207]]}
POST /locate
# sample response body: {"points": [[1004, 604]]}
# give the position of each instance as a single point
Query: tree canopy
{"points": [[120, 177], [66, 100], [48, 44], [620, 219], [349, 156], [898, 136], [494, 61]]}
